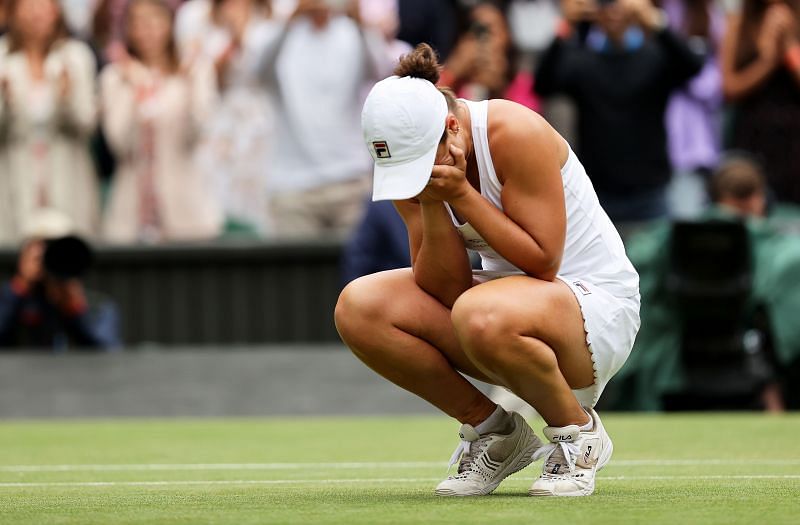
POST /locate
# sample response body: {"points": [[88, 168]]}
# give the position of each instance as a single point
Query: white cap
{"points": [[403, 121]]}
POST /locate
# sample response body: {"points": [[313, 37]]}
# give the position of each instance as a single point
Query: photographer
{"points": [[619, 62], [483, 64], [45, 304]]}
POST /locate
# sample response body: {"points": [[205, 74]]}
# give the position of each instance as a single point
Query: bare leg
{"points": [[407, 336], [528, 335]]}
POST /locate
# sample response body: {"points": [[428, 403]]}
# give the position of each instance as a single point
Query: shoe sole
{"points": [[524, 459]]}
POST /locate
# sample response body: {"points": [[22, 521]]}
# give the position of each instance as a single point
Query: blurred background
{"points": [[184, 191]]}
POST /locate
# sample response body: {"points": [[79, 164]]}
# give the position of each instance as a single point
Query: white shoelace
{"points": [[463, 448], [568, 449]]}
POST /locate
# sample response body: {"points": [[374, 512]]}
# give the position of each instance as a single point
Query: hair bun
{"points": [[420, 63]]}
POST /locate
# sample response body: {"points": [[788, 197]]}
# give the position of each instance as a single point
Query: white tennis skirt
{"points": [[610, 322]]}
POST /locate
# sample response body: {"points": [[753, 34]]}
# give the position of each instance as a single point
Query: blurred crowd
{"points": [[152, 121]]}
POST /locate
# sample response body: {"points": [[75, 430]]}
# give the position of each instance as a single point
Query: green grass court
{"points": [[678, 469]]}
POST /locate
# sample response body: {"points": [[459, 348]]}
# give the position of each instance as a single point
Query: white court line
{"points": [[132, 467], [355, 481]]}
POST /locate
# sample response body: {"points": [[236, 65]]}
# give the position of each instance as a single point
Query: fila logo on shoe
{"points": [[587, 454]]}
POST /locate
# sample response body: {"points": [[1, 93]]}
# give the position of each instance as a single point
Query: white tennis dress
{"points": [[594, 264]]}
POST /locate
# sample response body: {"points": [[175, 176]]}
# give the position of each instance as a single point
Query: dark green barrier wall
{"points": [[231, 293]]}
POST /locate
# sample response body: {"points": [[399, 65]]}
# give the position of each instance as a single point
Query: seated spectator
{"points": [[694, 113], [484, 63], [45, 305], [738, 186], [152, 113], [738, 190], [620, 74], [760, 62], [47, 115], [316, 70], [379, 243], [234, 150]]}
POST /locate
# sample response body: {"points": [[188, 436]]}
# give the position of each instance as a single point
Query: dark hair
{"points": [[739, 176], [172, 48], [752, 14], [15, 39], [423, 62]]}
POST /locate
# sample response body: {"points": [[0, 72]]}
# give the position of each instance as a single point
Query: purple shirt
{"points": [[694, 113]]}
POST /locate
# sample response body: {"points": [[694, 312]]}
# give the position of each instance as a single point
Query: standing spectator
{"points": [[317, 69], [484, 63], [620, 77], [761, 76], [234, 150], [108, 27], [694, 113], [152, 111], [434, 22], [384, 17], [47, 115]]}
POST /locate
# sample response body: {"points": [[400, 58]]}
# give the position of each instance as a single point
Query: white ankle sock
{"points": [[494, 422], [588, 426]]}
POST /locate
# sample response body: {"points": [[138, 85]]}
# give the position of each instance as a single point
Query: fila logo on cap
{"points": [[381, 149]]}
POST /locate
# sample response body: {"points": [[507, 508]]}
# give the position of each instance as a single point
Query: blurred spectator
{"points": [[620, 75], [694, 113], [317, 68], [533, 23], [78, 17], [3, 16], [383, 16], [47, 115], [434, 22], [484, 63], [761, 76], [234, 150], [152, 113], [108, 27], [380, 242], [45, 305], [738, 186]]}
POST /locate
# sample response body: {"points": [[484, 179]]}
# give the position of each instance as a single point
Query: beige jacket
{"points": [[44, 140], [151, 124]]}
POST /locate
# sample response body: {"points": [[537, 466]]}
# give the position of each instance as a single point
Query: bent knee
{"points": [[356, 308], [481, 324], [493, 336]]}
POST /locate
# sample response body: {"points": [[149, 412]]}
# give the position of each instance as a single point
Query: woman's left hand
{"points": [[448, 182]]}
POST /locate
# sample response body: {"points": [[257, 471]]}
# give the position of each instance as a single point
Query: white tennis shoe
{"points": [[571, 459], [488, 459]]}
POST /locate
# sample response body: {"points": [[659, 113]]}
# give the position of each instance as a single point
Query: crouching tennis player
{"points": [[554, 312]]}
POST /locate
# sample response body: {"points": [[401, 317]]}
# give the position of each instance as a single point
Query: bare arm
{"points": [[737, 84], [530, 232], [438, 257]]}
